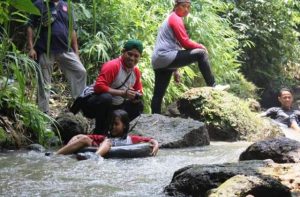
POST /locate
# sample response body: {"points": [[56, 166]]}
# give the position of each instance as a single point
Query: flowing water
{"points": [[33, 174]]}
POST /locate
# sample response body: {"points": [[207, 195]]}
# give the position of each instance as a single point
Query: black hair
{"points": [[123, 115], [284, 90]]}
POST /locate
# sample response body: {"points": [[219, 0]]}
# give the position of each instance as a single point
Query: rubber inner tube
{"points": [[127, 151]]}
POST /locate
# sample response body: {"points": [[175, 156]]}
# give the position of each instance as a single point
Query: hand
{"points": [[130, 94], [32, 54], [154, 145], [177, 76], [203, 47]]}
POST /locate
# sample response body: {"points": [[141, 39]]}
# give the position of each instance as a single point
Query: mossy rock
{"points": [[70, 125], [228, 117]]}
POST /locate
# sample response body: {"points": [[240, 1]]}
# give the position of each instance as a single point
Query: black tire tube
{"points": [[127, 151]]}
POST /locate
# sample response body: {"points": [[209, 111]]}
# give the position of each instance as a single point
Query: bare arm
{"points": [[295, 126], [74, 43], [155, 146], [32, 52]]}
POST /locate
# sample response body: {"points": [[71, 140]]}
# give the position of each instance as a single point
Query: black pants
{"points": [[183, 58], [100, 107]]}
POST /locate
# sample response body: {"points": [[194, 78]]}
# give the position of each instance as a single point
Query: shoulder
{"points": [[137, 70], [174, 19], [111, 65]]}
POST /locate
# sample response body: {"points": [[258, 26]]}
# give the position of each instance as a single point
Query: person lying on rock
{"points": [[285, 114], [117, 136]]}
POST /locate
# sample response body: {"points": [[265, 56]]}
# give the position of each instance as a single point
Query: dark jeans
{"points": [[100, 107], [183, 58]]}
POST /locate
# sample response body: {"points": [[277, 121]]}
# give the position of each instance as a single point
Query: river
{"points": [[24, 173]]}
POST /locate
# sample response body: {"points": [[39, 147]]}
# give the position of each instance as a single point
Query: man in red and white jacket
{"points": [[118, 86]]}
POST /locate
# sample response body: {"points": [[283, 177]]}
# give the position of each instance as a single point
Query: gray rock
{"points": [[70, 125], [171, 132], [280, 150], [36, 147], [197, 180], [241, 185]]}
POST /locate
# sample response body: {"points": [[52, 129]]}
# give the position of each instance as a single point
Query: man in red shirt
{"points": [[118, 86]]}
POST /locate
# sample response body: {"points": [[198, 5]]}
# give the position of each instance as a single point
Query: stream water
{"points": [[33, 174]]}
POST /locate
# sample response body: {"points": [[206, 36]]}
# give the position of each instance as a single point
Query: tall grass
{"points": [[17, 100]]}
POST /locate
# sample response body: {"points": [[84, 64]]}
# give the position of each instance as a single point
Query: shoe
{"points": [[221, 87]]}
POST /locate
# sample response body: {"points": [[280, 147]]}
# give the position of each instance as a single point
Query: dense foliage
{"points": [[269, 36], [18, 77], [114, 24], [258, 37]]}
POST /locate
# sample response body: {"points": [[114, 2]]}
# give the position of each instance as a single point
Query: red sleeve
{"points": [[138, 82], [138, 139], [97, 139], [107, 75], [176, 23]]}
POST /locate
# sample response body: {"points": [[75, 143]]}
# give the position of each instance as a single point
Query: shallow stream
{"points": [[33, 174]]}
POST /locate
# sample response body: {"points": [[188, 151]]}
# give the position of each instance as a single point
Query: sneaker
{"points": [[221, 87]]}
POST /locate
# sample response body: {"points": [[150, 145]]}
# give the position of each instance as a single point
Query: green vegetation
{"points": [[17, 104], [258, 37], [269, 38]]}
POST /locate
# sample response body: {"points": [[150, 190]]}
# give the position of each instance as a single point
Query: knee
{"points": [[201, 52], [85, 140], [107, 98], [82, 72]]}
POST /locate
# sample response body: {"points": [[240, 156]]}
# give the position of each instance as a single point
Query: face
{"points": [[131, 58], [286, 99], [118, 128], [182, 9]]}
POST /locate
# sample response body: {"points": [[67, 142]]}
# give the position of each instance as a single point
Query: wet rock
{"points": [[197, 180], [36, 147], [171, 132], [70, 125], [228, 117], [280, 150], [241, 185]]}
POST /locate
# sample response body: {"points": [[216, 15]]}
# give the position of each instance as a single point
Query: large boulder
{"points": [[241, 185], [197, 180], [228, 117], [280, 150], [171, 132], [70, 125]]}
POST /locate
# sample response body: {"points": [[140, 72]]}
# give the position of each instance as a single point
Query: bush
{"points": [[271, 28]]}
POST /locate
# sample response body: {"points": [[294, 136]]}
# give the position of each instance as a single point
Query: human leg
{"points": [[74, 71], [185, 57], [75, 144], [99, 106], [104, 148], [162, 80], [44, 81]]}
